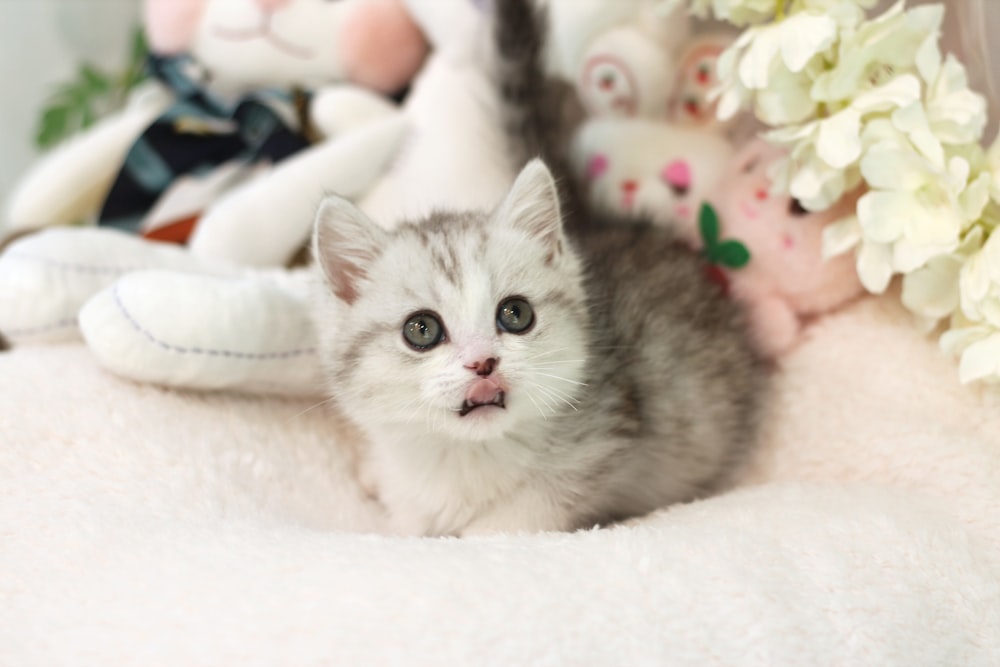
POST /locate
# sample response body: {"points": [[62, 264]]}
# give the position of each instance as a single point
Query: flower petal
{"points": [[803, 36], [981, 360], [883, 215], [874, 267], [841, 236], [839, 140]]}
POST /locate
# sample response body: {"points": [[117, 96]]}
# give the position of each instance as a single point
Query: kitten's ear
{"points": [[532, 205], [345, 243]]}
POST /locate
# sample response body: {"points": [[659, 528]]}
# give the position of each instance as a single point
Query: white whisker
{"points": [[562, 379]]}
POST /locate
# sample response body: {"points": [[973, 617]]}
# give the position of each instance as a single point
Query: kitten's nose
{"points": [[484, 367]]}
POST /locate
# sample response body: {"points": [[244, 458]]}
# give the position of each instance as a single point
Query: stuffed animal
{"points": [[651, 145], [223, 104], [786, 280], [158, 314], [651, 167]]}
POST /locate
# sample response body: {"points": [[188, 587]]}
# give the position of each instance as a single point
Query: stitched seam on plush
{"points": [[232, 354], [71, 266]]}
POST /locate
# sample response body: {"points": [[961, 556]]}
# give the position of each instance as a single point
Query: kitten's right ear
{"points": [[345, 243], [532, 205]]}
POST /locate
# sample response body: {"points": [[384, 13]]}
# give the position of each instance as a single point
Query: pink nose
{"points": [[485, 367], [272, 5]]}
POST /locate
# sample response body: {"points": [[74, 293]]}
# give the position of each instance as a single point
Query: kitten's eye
{"points": [[515, 316], [423, 331]]}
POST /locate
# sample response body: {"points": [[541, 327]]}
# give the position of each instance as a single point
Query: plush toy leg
{"points": [[774, 325], [45, 278], [337, 110], [70, 183], [251, 334], [266, 221]]}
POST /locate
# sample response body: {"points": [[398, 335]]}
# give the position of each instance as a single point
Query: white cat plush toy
{"points": [[156, 313], [346, 56]]}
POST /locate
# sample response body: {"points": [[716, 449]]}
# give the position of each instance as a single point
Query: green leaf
{"points": [[87, 117], [708, 223], [731, 254], [140, 48], [52, 127], [93, 81]]}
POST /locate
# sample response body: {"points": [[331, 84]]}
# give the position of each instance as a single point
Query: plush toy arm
{"points": [[69, 184], [774, 325], [456, 28], [249, 334], [336, 110], [266, 221], [45, 278]]}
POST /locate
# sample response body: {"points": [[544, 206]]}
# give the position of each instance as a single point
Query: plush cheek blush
{"points": [[379, 45], [597, 166], [171, 24]]}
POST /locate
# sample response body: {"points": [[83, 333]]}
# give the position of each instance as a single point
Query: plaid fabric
{"points": [[197, 134]]}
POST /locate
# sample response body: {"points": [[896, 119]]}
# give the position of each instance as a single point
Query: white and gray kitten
{"points": [[508, 377]]}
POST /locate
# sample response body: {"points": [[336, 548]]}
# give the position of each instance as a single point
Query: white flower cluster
{"points": [[873, 103]]}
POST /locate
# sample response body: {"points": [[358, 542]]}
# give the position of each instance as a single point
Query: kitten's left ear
{"points": [[532, 205], [345, 243]]}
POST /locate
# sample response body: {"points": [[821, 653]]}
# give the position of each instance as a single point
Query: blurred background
{"points": [[43, 44]]}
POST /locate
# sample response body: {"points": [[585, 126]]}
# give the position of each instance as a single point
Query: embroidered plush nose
{"points": [[484, 367], [272, 5]]}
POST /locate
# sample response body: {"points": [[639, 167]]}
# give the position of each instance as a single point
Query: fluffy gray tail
{"points": [[540, 113]]}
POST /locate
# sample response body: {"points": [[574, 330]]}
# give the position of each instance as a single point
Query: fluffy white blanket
{"points": [[141, 526]]}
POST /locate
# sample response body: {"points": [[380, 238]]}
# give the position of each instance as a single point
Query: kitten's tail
{"points": [[539, 112]]}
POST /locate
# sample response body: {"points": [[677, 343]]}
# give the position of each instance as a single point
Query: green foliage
{"points": [[77, 105], [731, 254]]}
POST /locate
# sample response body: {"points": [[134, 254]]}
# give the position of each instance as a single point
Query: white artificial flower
{"points": [[955, 114], [915, 211], [932, 291], [878, 51], [976, 333], [993, 166], [771, 63], [837, 141]]}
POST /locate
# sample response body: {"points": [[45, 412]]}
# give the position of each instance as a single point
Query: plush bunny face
{"points": [[625, 73], [651, 167], [785, 240], [247, 44]]}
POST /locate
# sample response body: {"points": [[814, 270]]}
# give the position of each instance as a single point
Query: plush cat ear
{"points": [[532, 205], [345, 243]]}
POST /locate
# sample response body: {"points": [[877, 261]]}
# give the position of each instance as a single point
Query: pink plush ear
{"points": [[171, 24], [380, 45]]}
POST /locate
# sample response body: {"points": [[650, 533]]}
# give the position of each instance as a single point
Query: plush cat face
{"points": [[468, 326], [785, 240], [253, 43], [651, 167]]}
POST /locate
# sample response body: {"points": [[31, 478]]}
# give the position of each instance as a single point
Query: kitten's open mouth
{"points": [[470, 405]]}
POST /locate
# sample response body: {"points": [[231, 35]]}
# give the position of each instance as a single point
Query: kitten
{"points": [[512, 371]]}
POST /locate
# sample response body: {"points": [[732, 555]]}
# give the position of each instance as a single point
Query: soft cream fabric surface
{"points": [[141, 526]]}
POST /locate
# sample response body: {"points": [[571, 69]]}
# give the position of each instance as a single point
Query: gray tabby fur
{"points": [[635, 388]]}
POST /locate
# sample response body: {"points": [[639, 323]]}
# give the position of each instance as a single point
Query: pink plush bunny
{"points": [[786, 281]]}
